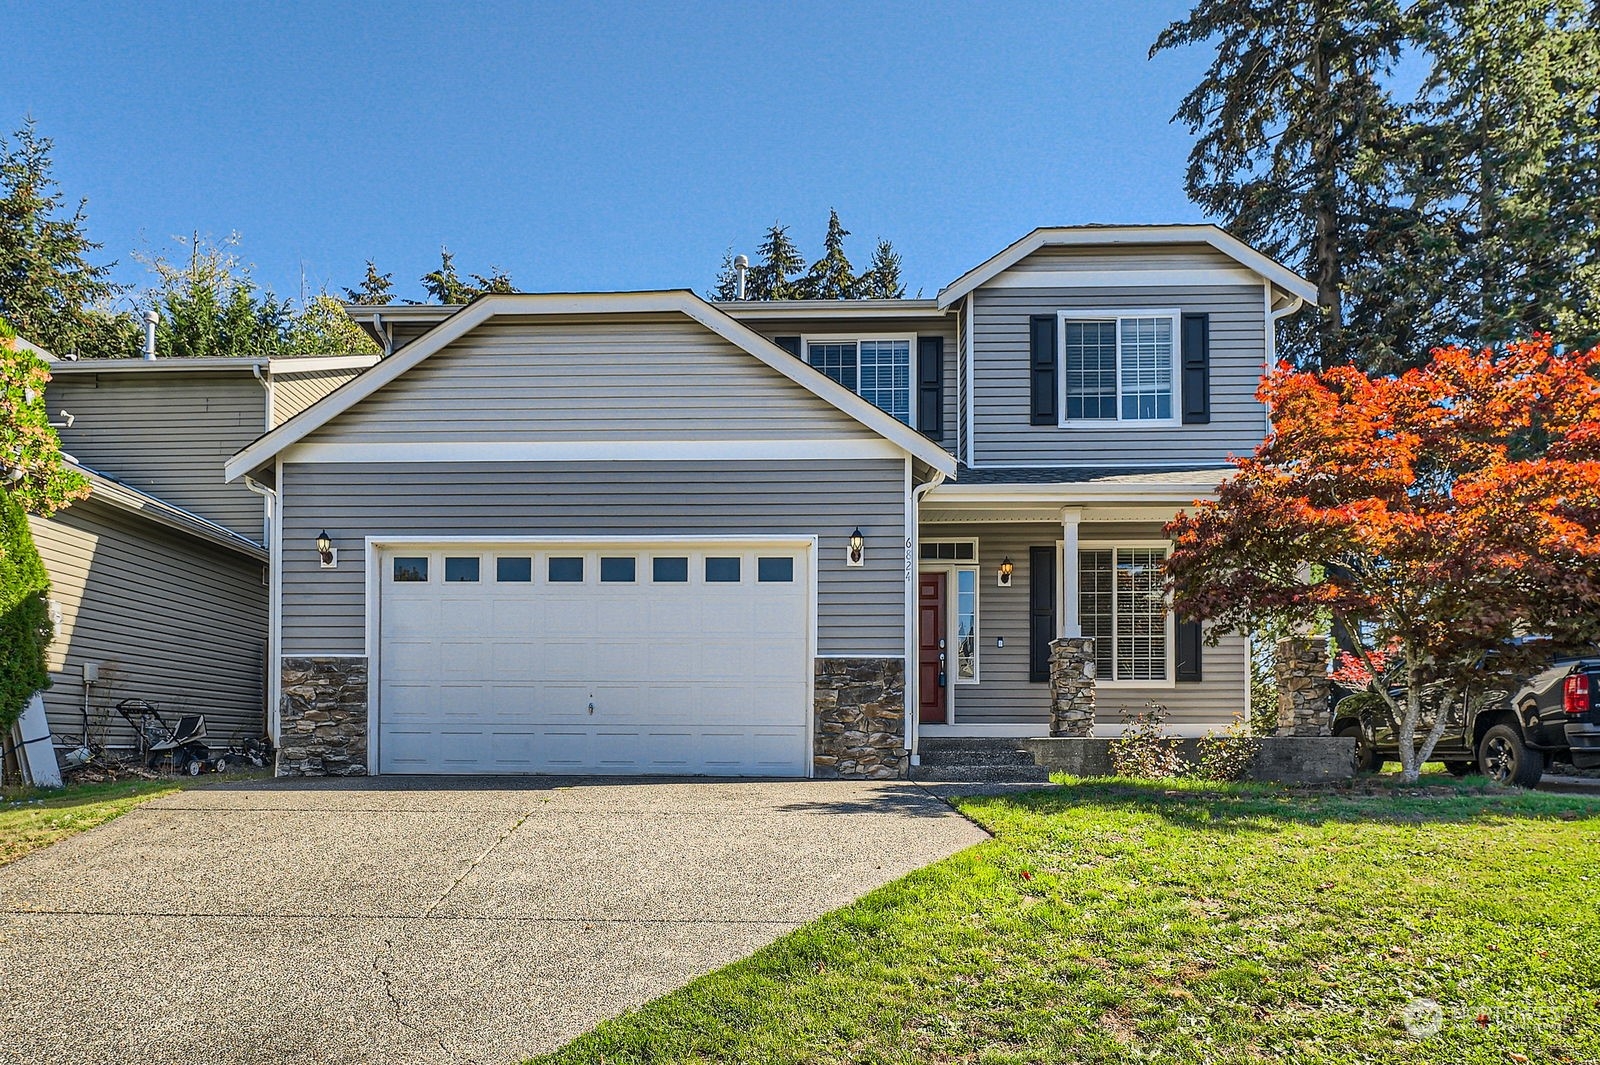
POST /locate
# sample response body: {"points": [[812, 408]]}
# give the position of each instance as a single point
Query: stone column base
{"points": [[859, 718], [1303, 686], [1072, 677], [322, 717]]}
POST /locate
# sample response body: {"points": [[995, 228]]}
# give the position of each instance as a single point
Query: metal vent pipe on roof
{"points": [[150, 320], [741, 266]]}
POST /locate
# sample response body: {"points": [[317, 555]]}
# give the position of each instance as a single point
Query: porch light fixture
{"points": [[326, 552], [1007, 568], [858, 549]]}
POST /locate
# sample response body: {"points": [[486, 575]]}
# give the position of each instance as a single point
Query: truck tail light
{"points": [[1575, 694]]}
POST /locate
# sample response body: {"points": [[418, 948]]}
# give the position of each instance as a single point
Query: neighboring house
{"points": [[617, 532], [158, 579]]}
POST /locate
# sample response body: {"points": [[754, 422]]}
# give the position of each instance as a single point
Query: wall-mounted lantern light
{"points": [[326, 552], [858, 549], [1007, 568]]}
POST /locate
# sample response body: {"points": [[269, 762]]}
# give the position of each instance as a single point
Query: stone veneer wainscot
{"points": [[322, 717], [860, 718]]}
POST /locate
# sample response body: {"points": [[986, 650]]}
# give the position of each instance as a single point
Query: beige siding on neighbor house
{"points": [[170, 618], [1003, 435], [293, 392], [167, 433], [1004, 695], [861, 611], [521, 380]]}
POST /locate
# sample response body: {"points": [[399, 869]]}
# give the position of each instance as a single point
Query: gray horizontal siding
{"points": [[941, 325], [167, 433], [1004, 695], [1126, 257], [1002, 433], [170, 619], [860, 610], [526, 379], [294, 392]]}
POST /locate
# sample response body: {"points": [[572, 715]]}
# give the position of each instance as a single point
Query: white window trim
{"points": [[1172, 624], [806, 340], [1117, 315]]}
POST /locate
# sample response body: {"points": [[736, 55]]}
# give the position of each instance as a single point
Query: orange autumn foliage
{"points": [[1443, 513]]}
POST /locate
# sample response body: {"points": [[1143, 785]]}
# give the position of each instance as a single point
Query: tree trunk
{"points": [[1325, 199]]}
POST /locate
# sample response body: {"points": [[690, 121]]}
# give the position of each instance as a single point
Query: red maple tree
{"points": [[1447, 518]]}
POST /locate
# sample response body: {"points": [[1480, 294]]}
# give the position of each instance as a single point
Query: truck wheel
{"points": [[1505, 759], [1366, 755]]}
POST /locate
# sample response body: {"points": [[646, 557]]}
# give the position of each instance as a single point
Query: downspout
{"points": [[913, 668], [274, 598], [385, 338]]}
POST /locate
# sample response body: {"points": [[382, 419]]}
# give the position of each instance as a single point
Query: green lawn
{"points": [[33, 819], [1112, 921]]}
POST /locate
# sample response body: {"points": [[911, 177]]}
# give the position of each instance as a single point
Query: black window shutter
{"points": [[1196, 369], [789, 344], [930, 387], [1042, 368], [1188, 651], [1041, 610]]}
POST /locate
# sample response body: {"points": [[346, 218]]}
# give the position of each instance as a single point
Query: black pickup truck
{"points": [[1510, 737]]}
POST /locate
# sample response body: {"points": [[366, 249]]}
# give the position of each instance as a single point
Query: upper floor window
{"points": [[1119, 367], [876, 368]]}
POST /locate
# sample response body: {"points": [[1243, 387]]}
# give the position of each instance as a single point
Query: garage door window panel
{"points": [[670, 569], [460, 569], [722, 569], [513, 569], [565, 569], [411, 569], [777, 570]]}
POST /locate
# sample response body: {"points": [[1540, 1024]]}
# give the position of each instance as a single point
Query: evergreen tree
{"points": [[773, 278], [881, 281], [50, 291], [444, 284], [25, 628], [210, 308], [1294, 124], [727, 284], [831, 277], [498, 283], [373, 290], [1508, 165]]}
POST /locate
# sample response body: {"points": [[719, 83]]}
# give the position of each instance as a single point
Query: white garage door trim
{"points": [[375, 546]]}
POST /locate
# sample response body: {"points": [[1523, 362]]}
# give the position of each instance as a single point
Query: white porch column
{"points": [[1070, 623]]}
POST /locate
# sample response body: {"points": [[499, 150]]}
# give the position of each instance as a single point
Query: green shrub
{"points": [[1226, 755], [25, 628], [1144, 750]]}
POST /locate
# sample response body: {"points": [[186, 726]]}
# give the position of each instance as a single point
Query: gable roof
{"points": [[1089, 236], [680, 301]]}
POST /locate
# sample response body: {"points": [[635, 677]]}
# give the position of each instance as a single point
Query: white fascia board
{"points": [[1083, 493], [319, 363], [160, 511], [681, 301], [1089, 236], [844, 309], [469, 450], [168, 365]]}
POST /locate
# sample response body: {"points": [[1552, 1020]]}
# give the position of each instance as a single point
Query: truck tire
{"points": [[1504, 758], [1366, 756]]}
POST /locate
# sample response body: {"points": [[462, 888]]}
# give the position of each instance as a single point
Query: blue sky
{"points": [[605, 146]]}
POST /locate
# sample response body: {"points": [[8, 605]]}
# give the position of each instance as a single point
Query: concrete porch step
{"points": [[977, 751]]}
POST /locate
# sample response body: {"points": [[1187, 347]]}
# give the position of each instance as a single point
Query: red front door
{"points": [[932, 672]]}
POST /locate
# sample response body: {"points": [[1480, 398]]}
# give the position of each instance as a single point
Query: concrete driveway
{"points": [[407, 919]]}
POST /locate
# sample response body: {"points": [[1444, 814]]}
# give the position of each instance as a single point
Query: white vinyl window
{"points": [[1122, 603], [878, 369], [1119, 367], [967, 625]]}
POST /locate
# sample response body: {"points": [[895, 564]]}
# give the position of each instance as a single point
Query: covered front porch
{"points": [[1010, 562]]}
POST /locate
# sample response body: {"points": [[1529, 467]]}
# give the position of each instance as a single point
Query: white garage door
{"points": [[585, 658]]}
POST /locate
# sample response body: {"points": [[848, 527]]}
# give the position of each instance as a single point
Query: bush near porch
{"points": [[1185, 921]]}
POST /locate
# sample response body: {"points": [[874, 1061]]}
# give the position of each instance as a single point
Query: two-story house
{"points": [[643, 533], [159, 578]]}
